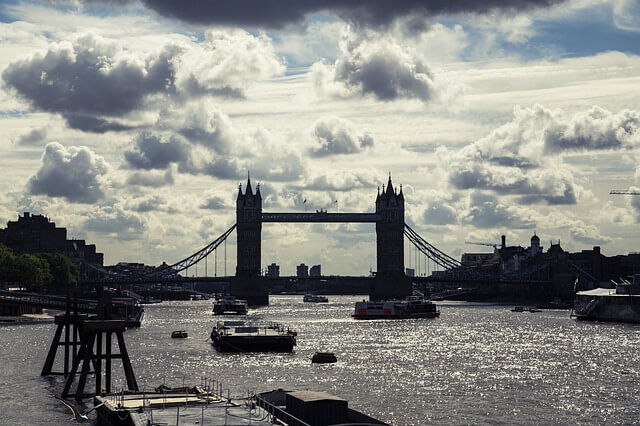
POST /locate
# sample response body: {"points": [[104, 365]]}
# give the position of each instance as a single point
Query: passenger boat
{"points": [[621, 304], [315, 298], [324, 358], [179, 334], [237, 336], [411, 307], [229, 305]]}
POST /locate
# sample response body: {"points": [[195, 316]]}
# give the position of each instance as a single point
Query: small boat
{"points": [[411, 307], [324, 358], [315, 298], [229, 305], [179, 334], [237, 336], [523, 309]]}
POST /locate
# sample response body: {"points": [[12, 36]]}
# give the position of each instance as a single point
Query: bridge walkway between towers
{"points": [[321, 217]]}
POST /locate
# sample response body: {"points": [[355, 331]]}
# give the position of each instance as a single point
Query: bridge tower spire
{"points": [[247, 283], [391, 280]]}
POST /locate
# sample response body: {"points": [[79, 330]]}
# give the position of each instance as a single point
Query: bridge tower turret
{"points": [[247, 283], [391, 280]]}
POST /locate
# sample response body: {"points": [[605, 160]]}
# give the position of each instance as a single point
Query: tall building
{"points": [[37, 234], [315, 271], [273, 270], [302, 271]]}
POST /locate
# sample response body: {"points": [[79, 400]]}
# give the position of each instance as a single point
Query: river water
{"points": [[476, 364]]}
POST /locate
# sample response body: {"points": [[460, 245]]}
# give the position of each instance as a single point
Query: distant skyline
{"points": [[132, 122]]}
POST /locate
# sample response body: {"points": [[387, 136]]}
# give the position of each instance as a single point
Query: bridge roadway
{"points": [[321, 217]]}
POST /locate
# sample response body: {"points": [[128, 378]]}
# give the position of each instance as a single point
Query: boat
{"points": [[203, 404], [315, 298], [411, 307], [311, 408], [324, 358], [238, 336], [525, 309], [619, 304], [229, 305], [179, 334]]}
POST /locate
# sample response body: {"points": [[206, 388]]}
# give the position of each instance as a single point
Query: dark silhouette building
{"points": [[37, 234], [390, 280]]}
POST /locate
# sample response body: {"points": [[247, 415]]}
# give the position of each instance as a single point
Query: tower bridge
{"points": [[390, 280]]}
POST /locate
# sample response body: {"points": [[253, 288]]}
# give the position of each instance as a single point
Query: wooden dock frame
{"points": [[88, 333], [95, 332]]}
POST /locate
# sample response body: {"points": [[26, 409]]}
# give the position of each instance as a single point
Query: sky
{"points": [[133, 122]]}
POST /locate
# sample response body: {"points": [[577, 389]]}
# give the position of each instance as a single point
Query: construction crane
{"points": [[624, 192], [482, 244]]}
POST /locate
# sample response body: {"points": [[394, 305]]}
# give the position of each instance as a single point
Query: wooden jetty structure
{"points": [[88, 343]]}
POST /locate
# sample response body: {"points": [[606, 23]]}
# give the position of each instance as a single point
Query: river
{"points": [[476, 364]]}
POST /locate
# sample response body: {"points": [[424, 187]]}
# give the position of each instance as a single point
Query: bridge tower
{"points": [[391, 280], [247, 283]]}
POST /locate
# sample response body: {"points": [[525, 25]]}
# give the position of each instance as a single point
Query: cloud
{"points": [[114, 221], [216, 201], [32, 136], [285, 12], [486, 211], [340, 180], [333, 135], [440, 213], [99, 85], [151, 178], [587, 234], [594, 130], [153, 152], [73, 173], [90, 80], [147, 203], [524, 156], [374, 64], [226, 62]]}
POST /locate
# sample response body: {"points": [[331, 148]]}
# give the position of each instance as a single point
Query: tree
{"points": [[64, 271], [33, 272]]}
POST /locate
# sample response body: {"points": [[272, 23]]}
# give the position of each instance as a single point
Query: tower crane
{"points": [[495, 246], [624, 192]]}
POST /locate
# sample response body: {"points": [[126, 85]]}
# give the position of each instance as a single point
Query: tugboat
{"points": [[412, 307], [621, 304], [314, 298], [229, 305], [236, 336]]}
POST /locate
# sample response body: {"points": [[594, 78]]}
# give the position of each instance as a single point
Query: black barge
{"points": [[236, 336]]}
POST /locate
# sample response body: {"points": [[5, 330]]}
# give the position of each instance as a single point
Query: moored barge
{"points": [[236, 336]]}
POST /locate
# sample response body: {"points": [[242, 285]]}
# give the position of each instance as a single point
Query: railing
{"points": [[47, 301]]}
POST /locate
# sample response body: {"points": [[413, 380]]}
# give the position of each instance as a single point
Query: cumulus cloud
{"points": [[374, 64], [595, 129], [90, 80], [524, 156], [333, 135], [340, 181], [587, 234], [151, 178], [147, 203], [73, 173], [487, 211], [153, 152], [440, 213], [99, 85], [116, 222], [226, 62], [32, 136], [365, 12]]}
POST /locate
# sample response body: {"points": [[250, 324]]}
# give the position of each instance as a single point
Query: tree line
{"points": [[37, 272]]}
